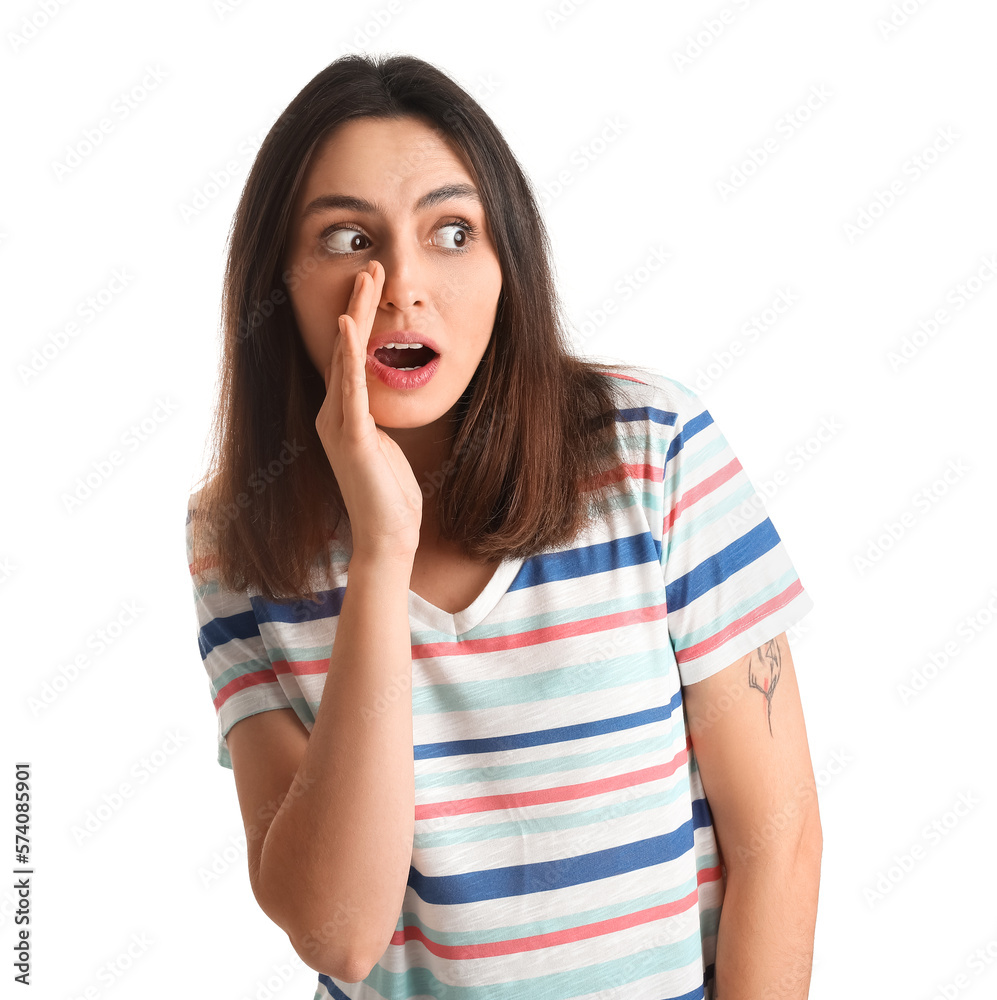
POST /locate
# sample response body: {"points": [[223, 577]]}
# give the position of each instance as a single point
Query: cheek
{"points": [[472, 298], [317, 306]]}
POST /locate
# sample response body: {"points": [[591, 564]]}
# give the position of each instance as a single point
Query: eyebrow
{"points": [[353, 204]]}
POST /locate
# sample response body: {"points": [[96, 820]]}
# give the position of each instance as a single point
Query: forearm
{"points": [[336, 858], [766, 933]]}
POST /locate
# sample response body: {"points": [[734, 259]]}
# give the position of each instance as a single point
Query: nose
{"points": [[404, 276]]}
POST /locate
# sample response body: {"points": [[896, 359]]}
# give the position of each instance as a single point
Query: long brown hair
{"points": [[533, 458]]}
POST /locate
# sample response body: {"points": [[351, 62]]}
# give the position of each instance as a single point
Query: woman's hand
{"points": [[383, 499]]}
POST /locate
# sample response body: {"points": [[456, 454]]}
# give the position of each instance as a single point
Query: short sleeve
{"points": [[729, 582], [241, 678]]}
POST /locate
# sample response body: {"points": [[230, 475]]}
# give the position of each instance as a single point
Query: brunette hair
{"points": [[533, 458]]}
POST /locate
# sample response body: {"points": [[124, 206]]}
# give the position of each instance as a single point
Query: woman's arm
{"points": [[750, 741], [334, 864]]}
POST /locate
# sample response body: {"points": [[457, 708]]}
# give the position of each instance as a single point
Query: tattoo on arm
{"points": [[764, 669]]}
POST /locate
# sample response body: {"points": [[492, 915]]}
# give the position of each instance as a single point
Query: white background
{"points": [[889, 763]]}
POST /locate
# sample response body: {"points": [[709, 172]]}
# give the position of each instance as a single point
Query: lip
{"points": [[395, 379], [400, 337]]}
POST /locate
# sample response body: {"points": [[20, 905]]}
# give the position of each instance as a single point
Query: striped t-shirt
{"points": [[563, 843]]}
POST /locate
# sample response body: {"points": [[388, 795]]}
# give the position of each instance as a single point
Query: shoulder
{"points": [[199, 501], [202, 556], [647, 394]]}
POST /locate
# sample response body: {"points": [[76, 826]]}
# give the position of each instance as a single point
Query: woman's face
{"points": [[392, 190]]}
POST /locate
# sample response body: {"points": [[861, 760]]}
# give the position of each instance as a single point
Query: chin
{"points": [[405, 416]]}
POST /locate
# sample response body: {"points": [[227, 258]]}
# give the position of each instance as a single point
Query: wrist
{"points": [[384, 565]]}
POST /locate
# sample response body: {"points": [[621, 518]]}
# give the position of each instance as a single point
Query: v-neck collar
{"points": [[436, 618], [476, 612]]}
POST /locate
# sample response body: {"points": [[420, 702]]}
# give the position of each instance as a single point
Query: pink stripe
{"points": [[616, 474], [705, 875], [533, 637], [519, 639], [652, 473], [560, 793], [198, 566], [534, 942], [628, 378], [737, 627], [299, 667], [241, 683], [703, 489]]}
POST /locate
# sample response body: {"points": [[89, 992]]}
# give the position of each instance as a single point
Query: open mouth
{"points": [[405, 359]]}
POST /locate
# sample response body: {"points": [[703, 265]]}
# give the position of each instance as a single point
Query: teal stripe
{"points": [[555, 986], [709, 921], [560, 682], [523, 828], [719, 623], [652, 502], [690, 527], [206, 589], [295, 654], [681, 476], [658, 745], [551, 926], [683, 530], [688, 461], [238, 670], [639, 443], [303, 709], [561, 616], [616, 501]]}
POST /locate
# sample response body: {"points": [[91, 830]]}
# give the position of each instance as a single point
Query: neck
{"points": [[425, 449]]}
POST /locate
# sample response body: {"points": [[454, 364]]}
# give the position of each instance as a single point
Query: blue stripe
{"points": [[700, 814], [697, 994], [645, 413], [329, 603], [689, 429], [218, 631], [334, 990], [714, 570], [541, 876], [599, 557], [541, 737]]}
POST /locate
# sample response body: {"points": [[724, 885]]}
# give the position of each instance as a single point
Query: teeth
{"points": [[412, 369], [401, 345]]}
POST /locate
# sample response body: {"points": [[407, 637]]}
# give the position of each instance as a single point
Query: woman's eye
{"points": [[346, 241], [457, 233]]}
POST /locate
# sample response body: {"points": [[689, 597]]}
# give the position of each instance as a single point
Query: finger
{"points": [[334, 390], [364, 303], [377, 286], [356, 296], [368, 297], [356, 405], [361, 309], [334, 370], [329, 372]]}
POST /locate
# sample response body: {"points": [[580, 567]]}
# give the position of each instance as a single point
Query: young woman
{"points": [[495, 635]]}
